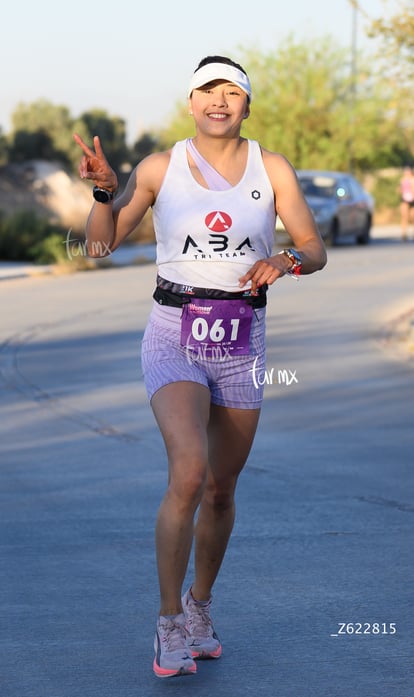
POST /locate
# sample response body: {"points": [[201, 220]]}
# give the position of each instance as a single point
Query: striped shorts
{"points": [[230, 381]]}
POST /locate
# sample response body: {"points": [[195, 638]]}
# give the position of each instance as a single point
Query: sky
{"points": [[135, 59]]}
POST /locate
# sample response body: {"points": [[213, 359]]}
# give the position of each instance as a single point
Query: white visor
{"points": [[220, 71]]}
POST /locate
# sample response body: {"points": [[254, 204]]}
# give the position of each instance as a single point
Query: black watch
{"points": [[102, 195], [296, 260]]}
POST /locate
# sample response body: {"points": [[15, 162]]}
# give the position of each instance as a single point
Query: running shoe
{"points": [[172, 653], [203, 642]]}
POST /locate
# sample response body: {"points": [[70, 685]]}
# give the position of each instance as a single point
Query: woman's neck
{"points": [[227, 156]]}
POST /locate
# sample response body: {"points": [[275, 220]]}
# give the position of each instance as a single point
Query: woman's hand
{"points": [[95, 166], [266, 271]]}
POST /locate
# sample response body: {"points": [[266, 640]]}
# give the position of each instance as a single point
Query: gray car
{"points": [[341, 207]]}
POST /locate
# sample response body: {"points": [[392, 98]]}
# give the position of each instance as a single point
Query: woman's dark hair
{"points": [[219, 59]]}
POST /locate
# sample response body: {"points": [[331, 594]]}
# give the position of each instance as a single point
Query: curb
{"points": [[10, 271], [132, 255]]}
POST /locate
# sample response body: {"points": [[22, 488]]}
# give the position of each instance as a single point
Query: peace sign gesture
{"points": [[95, 166]]}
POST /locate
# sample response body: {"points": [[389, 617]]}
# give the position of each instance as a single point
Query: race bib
{"points": [[217, 328]]}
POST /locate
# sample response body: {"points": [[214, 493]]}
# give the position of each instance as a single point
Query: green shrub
{"points": [[25, 236], [50, 250]]}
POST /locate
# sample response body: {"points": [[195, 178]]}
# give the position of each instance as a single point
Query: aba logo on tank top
{"points": [[218, 221], [220, 245]]}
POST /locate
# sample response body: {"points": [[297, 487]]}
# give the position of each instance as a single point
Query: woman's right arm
{"points": [[110, 223]]}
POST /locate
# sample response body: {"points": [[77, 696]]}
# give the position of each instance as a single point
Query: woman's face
{"points": [[219, 107]]}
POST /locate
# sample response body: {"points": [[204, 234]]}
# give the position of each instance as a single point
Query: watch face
{"points": [[101, 195]]}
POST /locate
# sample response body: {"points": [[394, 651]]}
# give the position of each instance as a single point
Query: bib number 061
{"points": [[201, 330]]}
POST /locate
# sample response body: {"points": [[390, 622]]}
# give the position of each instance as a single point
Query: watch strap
{"points": [[296, 260]]}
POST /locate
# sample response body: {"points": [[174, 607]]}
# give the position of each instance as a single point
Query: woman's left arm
{"points": [[298, 221]]}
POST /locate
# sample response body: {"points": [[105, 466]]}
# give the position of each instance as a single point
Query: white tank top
{"points": [[210, 238]]}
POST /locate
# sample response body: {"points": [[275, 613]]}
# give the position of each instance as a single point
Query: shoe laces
{"points": [[174, 635], [200, 620]]}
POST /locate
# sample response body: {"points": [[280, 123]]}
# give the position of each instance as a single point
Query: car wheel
{"points": [[364, 236], [333, 234]]}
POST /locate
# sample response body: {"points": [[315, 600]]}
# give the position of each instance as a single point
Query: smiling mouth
{"points": [[218, 117]]}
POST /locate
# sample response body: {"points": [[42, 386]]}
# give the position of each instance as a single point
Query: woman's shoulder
{"points": [[156, 159], [150, 172], [276, 163], [274, 157]]}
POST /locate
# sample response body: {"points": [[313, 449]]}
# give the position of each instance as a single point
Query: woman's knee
{"points": [[187, 487], [220, 496]]}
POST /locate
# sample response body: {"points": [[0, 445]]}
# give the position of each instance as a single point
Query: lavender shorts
{"points": [[230, 380]]}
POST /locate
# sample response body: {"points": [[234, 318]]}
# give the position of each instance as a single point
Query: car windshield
{"points": [[324, 187]]}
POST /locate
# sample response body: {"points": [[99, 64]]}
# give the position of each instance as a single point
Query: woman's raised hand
{"points": [[95, 166]]}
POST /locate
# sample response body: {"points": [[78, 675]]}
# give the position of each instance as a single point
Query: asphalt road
{"points": [[315, 598]]}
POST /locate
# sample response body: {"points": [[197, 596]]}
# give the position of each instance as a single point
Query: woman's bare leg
{"points": [[231, 433], [182, 413]]}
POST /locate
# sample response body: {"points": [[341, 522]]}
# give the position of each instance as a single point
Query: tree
{"points": [[307, 105], [145, 145], [3, 148], [301, 102], [112, 132], [396, 35], [396, 61], [41, 130], [36, 145]]}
